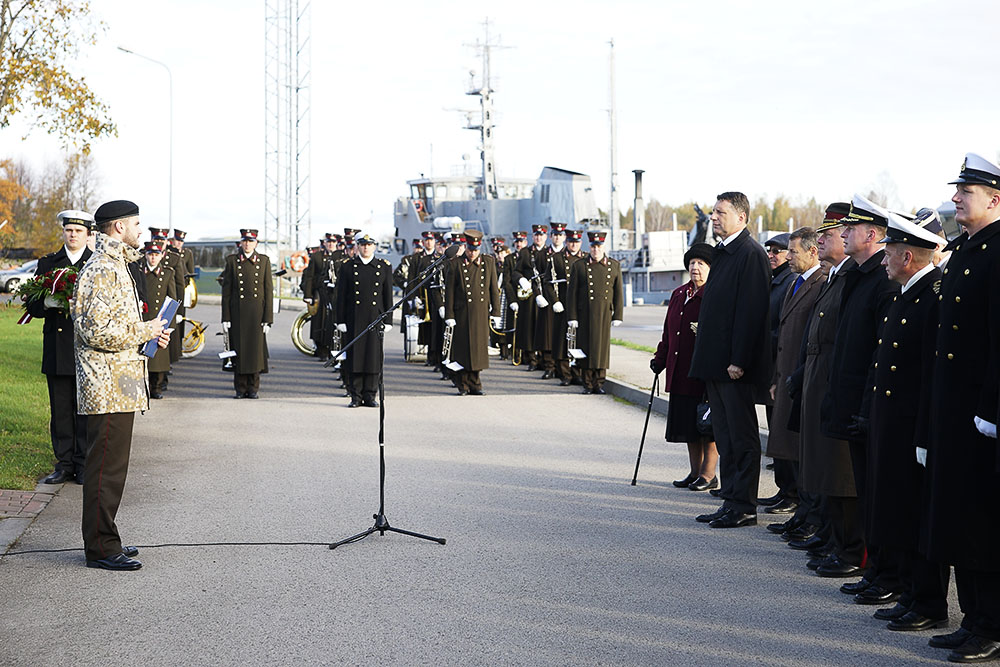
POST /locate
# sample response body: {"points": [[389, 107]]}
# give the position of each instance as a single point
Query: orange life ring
{"points": [[298, 261], [419, 205]]}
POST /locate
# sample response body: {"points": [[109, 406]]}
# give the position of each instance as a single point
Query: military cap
{"points": [[248, 234], [439, 237], [864, 211], [909, 232], [781, 240], [473, 238], [574, 235], [427, 234], [179, 235], [151, 246], [458, 237], [977, 170], [115, 210], [558, 227], [539, 229], [702, 251], [416, 242], [597, 238], [71, 217], [364, 239], [351, 232], [519, 236], [159, 232], [835, 212]]}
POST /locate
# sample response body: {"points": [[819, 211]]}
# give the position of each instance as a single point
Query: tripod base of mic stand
{"points": [[381, 527]]}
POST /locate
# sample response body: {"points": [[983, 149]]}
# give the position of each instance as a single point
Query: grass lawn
{"points": [[207, 283], [633, 346], [25, 447]]}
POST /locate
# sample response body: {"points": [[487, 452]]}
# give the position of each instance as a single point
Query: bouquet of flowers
{"points": [[55, 287]]}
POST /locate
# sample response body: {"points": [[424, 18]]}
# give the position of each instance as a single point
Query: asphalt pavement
{"points": [[551, 556]]}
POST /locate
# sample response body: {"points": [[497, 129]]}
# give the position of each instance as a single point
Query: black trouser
{"points": [[846, 528], [547, 362], [246, 382], [109, 443], [979, 598], [363, 386], [468, 381], [786, 477], [67, 429], [157, 382], [734, 422], [928, 586], [563, 370], [593, 378]]}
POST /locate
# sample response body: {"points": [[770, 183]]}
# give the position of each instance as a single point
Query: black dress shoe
{"points": [[476, 392], [838, 568], [702, 484], [814, 542], [898, 610], [130, 552], [801, 534], [859, 586], [463, 392], [686, 482], [818, 552], [814, 563], [116, 562], [911, 621], [355, 403], [156, 395], [950, 640], [876, 595], [238, 395], [370, 403], [784, 526], [57, 477], [564, 383], [786, 506], [78, 477], [251, 394], [709, 518], [586, 390], [531, 367], [772, 500], [548, 375], [716, 492], [976, 649], [598, 390], [734, 520]]}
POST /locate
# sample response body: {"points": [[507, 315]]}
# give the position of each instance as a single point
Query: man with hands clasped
{"points": [[247, 301]]}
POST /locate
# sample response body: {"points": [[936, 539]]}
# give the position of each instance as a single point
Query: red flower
{"points": [[60, 285], [145, 307], [71, 278], [47, 283]]}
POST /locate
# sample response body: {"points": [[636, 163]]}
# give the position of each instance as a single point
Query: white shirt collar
{"points": [[809, 272], [917, 276], [74, 257], [837, 268], [366, 261], [732, 237]]}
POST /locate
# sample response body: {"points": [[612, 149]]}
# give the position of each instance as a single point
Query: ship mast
{"points": [[486, 124], [613, 118]]}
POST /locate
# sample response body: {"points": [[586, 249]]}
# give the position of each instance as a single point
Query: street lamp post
{"points": [[170, 168]]}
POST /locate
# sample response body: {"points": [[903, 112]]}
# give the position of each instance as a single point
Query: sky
{"points": [[770, 97]]}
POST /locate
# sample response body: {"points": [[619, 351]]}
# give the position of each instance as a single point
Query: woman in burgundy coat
{"points": [[673, 355]]}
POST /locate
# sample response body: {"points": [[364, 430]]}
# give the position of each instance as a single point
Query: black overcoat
{"points": [[901, 379], [471, 297], [554, 268], [864, 303], [961, 462], [733, 325], [595, 299], [57, 331], [364, 291], [525, 266], [160, 284], [247, 303]]}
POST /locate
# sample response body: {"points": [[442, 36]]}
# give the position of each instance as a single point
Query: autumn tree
{"points": [[38, 40], [10, 193]]}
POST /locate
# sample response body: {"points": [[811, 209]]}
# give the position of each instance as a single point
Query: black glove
{"points": [[654, 366], [858, 427], [792, 387]]}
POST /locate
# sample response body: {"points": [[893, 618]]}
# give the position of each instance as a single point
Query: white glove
{"points": [[441, 312], [557, 307], [988, 429], [386, 327], [541, 301], [513, 307], [51, 302], [572, 324], [616, 323], [922, 456], [342, 328], [308, 301], [225, 326], [450, 323], [418, 302], [266, 327], [523, 282], [496, 322]]}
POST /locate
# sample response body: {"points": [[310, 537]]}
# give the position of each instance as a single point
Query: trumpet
{"points": [[572, 350], [227, 354], [449, 333]]}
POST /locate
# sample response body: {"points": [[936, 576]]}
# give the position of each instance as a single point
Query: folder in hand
{"points": [[167, 312]]}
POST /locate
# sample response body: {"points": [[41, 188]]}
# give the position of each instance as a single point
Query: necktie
{"points": [[798, 284]]}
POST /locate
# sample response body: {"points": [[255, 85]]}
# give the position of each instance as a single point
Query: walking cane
{"points": [[649, 409]]}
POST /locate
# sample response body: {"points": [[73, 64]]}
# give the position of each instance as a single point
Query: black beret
{"points": [[702, 251], [114, 210]]}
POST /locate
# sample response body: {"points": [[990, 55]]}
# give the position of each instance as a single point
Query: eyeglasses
{"points": [[776, 251]]}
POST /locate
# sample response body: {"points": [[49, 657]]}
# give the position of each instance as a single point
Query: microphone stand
{"points": [[381, 524]]}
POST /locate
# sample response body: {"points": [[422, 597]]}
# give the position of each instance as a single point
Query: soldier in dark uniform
{"points": [[171, 260], [508, 282], [160, 284], [901, 383], [67, 429], [186, 269], [549, 263], [865, 300], [438, 288], [247, 312], [594, 304], [321, 283], [472, 297], [568, 374], [432, 327], [364, 291], [526, 277], [962, 447]]}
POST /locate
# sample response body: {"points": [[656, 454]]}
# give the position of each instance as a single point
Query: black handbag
{"points": [[704, 421]]}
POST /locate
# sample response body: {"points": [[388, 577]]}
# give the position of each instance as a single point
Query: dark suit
{"points": [[364, 292], [733, 329], [67, 429]]}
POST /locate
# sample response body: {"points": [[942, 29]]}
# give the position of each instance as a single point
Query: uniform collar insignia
{"points": [[936, 286]]}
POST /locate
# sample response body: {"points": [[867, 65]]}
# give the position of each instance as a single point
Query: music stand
{"points": [[381, 524]]}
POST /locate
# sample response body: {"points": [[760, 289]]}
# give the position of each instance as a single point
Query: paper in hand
{"points": [[167, 312]]}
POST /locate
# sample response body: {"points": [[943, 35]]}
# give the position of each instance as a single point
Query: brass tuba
{"points": [[300, 337]]}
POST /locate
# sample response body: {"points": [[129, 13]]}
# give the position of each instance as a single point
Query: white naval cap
{"points": [[911, 232], [74, 217], [977, 170], [863, 210]]}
